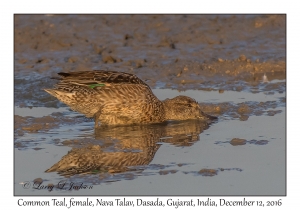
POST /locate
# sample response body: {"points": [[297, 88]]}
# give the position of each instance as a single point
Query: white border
{"points": [[153, 6]]}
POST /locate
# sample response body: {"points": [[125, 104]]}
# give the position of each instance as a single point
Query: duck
{"points": [[119, 98]]}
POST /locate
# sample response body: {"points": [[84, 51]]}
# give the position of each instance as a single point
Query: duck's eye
{"points": [[189, 105]]}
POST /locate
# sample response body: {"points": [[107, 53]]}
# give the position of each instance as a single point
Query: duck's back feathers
{"points": [[91, 81], [122, 97], [99, 76]]}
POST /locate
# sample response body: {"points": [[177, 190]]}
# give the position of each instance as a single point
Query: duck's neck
{"points": [[169, 110]]}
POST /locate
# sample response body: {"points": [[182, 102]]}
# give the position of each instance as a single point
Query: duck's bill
{"points": [[207, 117]]}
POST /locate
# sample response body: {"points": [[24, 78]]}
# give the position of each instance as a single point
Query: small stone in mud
{"points": [[273, 112], [163, 172], [22, 105], [244, 118], [109, 59], [283, 99], [44, 120], [242, 58], [37, 148], [258, 113], [67, 142], [38, 181], [255, 91], [118, 60], [57, 114], [129, 176], [128, 63], [33, 128], [72, 59], [42, 60], [98, 49], [234, 115], [20, 133], [217, 109], [262, 142], [50, 186], [103, 176], [127, 36], [208, 172], [237, 141], [29, 66], [157, 166], [220, 60], [139, 63], [167, 42], [243, 109], [19, 145], [239, 88], [22, 61]]}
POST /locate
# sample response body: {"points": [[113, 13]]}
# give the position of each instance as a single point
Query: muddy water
{"points": [[234, 66]]}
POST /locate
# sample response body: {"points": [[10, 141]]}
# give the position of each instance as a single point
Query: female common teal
{"points": [[118, 98]]}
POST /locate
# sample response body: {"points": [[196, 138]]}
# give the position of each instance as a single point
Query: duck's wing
{"points": [[101, 77], [87, 91]]}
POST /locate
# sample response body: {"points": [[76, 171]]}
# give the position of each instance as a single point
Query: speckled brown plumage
{"points": [[118, 98]]}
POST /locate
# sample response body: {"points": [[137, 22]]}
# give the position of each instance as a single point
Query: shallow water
{"points": [[172, 160], [37, 111]]}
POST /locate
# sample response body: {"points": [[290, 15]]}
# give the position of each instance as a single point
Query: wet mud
{"points": [[233, 65], [166, 51]]}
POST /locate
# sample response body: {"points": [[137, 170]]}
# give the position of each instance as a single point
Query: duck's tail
{"points": [[51, 92]]}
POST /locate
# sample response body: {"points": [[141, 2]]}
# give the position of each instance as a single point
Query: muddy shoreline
{"points": [[205, 52]]}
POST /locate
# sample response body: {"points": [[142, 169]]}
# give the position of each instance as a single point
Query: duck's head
{"points": [[184, 108]]}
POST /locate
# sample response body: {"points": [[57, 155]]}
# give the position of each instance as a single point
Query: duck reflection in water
{"points": [[129, 146]]}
